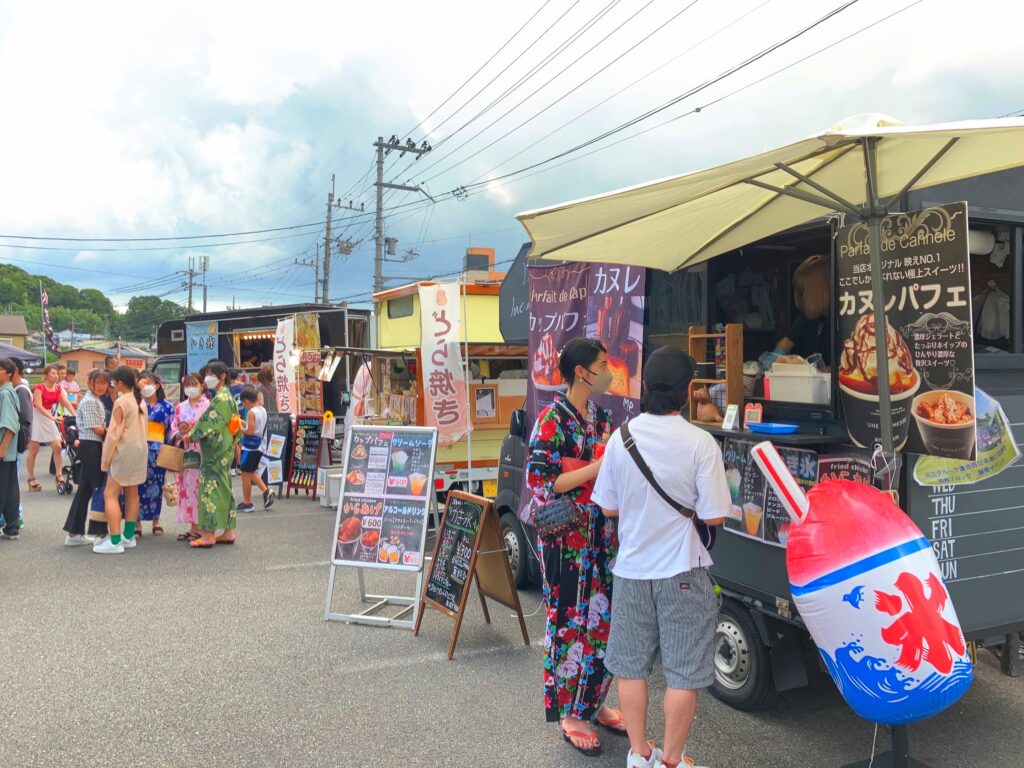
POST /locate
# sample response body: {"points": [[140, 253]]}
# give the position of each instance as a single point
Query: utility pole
{"points": [[385, 148], [191, 278], [204, 265], [327, 245], [315, 264]]}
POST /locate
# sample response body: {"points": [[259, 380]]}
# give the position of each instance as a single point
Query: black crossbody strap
{"points": [[629, 443]]}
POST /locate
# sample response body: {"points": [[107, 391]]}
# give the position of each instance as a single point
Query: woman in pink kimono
{"points": [[187, 413]]}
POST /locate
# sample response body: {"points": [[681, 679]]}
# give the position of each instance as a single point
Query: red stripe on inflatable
{"points": [[781, 486]]}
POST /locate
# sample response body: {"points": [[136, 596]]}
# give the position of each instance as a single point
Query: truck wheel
{"points": [[743, 670], [515, 546]]}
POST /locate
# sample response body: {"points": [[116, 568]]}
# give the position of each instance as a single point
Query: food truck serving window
{"points": [[255, 348]]}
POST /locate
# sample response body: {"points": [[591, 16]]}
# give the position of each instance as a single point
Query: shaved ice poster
{"points": [[926, 281]]}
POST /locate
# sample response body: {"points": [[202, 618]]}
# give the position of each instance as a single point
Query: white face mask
{"points": [[211, 382], [191, 391], [148, 391]]}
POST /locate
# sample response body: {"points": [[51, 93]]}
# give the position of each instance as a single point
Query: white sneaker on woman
{"points": [[75, 541], [128, 543], [105, 547]]}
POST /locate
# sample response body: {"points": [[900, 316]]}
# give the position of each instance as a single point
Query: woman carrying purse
{"points": [[575, 563]]}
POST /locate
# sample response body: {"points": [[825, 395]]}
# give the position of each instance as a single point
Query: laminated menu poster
{"points": [[757, 512], [382, 512], [310, 390], [928, 332], [306, 451]]}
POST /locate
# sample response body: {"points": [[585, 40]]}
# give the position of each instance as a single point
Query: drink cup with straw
{"points": [[868, 587]]}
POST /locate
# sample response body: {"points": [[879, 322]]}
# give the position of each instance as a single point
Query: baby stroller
{"points": [[71, 466]]}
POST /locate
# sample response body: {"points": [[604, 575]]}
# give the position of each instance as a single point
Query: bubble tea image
{"points": [[869, 589]]}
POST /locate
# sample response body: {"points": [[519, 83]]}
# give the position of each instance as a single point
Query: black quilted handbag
{"points": [[553, 519]]}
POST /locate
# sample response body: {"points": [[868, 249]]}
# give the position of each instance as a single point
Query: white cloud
{"points": [[128, 119]]}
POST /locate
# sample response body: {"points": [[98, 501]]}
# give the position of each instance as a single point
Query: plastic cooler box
{"points": [[797, 383]]}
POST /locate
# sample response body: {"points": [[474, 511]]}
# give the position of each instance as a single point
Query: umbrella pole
{"points": [[874, 223], [873, 213]]}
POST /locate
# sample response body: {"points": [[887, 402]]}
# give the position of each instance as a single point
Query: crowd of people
{"points": [[120, 425], [628, 577]]}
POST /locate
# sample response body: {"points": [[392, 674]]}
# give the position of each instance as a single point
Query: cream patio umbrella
{"points": [[863, 167]]}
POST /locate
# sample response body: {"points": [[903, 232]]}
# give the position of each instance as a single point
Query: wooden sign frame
{"points": [[297, 487], [488, 566]]}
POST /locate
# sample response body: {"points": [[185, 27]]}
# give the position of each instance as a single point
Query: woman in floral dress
{"points": [[151, 494], [186, 414], [577, 576], [217, 431]]}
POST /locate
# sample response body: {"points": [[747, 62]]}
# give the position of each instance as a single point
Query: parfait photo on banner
{"points": [[927, 283]]}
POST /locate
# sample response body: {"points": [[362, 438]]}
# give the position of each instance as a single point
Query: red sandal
{"points": [[615, 724], [578, 738]]}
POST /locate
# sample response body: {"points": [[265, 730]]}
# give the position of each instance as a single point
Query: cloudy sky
{"points": [[131, 120]]}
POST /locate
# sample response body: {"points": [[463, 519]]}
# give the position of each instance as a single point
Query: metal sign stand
{"points": [[407, 605], [369, 614]]}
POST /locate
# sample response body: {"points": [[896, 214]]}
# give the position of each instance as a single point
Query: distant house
{"points": [[86, 359], [13, 330]]}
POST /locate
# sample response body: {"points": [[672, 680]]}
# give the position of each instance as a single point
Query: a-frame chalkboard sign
{"points": [[469, 544]]}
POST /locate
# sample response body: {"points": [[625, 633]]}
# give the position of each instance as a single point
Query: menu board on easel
{"points": [[469, 544], [382, 513], [279, 446], [305, 452]]}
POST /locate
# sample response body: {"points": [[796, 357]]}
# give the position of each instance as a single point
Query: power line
{"points": [[691, 92], [564, 95], [508, 66], [605, 100], [703, 107], [488, 60]]}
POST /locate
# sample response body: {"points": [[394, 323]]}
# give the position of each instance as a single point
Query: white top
{"points": [[260, 420], [656, 541]]}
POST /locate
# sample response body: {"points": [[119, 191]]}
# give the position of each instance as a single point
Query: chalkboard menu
{"points": [[456, 542], [382, 512], [306, 451], [756, 510]]}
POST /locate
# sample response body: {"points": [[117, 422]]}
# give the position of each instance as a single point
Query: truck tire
{"points": [[515, 546], [743, 669]]}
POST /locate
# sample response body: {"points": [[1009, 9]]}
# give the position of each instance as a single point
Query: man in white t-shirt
{"points": [[663, 597]]}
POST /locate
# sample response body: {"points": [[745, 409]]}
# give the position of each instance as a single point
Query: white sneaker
{"points": [[689, 763], [105, 547], [128, 543], [634, 760], [75, 541]]}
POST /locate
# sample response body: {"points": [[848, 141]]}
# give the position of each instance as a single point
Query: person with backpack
{"points": [[10, 426], [663, 479], [25, 409], [254, 437]]}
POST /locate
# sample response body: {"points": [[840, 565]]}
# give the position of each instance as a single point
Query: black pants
{"points": [[90, 452], [10, 495]]}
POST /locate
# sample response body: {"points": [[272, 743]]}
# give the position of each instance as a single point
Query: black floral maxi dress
{"points": [[577, 577]]}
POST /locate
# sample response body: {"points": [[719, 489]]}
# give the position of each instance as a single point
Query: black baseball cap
{"points": [[668, 370]]}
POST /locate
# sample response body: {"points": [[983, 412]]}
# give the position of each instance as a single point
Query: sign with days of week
{"points": [[382, 513], [469, 545]]}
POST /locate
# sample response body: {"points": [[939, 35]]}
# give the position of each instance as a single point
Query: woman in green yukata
{"points": [[217, 431]]}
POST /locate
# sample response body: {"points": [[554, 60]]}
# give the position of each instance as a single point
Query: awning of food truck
{"points": [[683, 220]]}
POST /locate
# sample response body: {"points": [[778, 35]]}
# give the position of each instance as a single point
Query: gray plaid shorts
{"points": [[676, 617]]}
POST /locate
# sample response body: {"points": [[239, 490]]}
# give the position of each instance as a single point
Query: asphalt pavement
{"points": [[169, 657]]}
